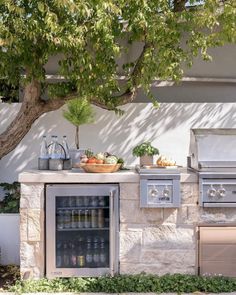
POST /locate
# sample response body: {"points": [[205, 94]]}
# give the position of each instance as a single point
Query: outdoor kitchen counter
{"points": [[151, 240], [77, 176]]}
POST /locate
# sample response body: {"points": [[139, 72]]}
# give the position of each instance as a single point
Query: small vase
{"points": [[76, 157], [146, 160]]}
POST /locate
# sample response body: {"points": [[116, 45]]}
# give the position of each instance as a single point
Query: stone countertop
{"points": [[78, 176]]}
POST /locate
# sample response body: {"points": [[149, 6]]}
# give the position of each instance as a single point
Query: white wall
{"points": [[168, 129], [10, 238]]}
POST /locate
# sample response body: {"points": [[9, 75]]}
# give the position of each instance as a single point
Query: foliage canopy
{"points": [[88, 35], [92, 40], [79, 112]]}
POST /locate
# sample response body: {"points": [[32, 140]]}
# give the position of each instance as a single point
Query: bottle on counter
{"points": [[55, 149], [43, 160], [66, 147], [56, 155], [67, 163]]}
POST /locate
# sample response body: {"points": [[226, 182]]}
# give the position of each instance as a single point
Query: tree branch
{"points": [[129, 95], [179, 5]]}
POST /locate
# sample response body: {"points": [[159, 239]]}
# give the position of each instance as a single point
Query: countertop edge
{"points": [[129, 176]]}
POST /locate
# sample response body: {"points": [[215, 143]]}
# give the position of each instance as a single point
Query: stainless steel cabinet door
{"points": [[217, 250]]}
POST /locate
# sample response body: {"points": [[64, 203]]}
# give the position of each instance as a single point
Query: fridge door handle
{"points": [[112, 232]]}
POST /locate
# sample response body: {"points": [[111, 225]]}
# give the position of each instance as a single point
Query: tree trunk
{"points": [[77, 137], [31, 109], [179, 5]]}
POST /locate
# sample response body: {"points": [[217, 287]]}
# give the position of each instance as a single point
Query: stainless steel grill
{"points": [[213, 156], [159, 187]]}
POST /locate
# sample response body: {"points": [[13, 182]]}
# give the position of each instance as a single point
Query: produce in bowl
{"points": [[111, 160], [101, 162]]}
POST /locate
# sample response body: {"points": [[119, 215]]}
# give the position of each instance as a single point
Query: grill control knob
{"points": [[211, 192], [222, 192], [166, 192], [153, 193]]}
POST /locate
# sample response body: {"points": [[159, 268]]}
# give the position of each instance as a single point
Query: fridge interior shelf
{"points": [[83, 229], [82, 207]]}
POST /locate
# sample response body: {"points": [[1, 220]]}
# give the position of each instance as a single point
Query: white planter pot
{"points": [[10, 238], [75, 157]]}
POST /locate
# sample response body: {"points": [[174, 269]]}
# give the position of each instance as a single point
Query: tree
{"points": [[88, 35], [79, 112]]}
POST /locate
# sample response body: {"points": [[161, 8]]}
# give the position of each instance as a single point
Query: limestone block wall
{"points": [[161, 241], [158, 240], [32, 244]]}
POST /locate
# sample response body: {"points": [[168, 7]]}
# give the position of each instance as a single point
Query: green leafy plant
{"points": [[9, 274], [11, 201], [89, 153], [79, 112], [176, 283], [145, 149]]}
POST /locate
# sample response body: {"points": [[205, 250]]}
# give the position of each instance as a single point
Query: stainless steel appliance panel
{"points": [[159, 191], [218, 192], [212, 147], [217, 250]]}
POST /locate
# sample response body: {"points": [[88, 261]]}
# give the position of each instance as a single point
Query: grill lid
{"points": [[213, 148]]}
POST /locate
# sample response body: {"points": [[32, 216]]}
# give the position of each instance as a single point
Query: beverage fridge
{"points": [[82, 229]]}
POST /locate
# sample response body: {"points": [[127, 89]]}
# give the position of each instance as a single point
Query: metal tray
{"points": [[159, 167]]}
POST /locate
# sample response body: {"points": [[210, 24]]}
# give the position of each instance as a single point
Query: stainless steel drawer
{"points": [[217, 250]]}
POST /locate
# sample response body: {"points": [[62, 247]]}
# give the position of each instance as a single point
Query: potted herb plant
{"points": [[79, 112], [146, 152]]}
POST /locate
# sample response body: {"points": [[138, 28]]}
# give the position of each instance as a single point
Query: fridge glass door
{"points": [[82, 231]]}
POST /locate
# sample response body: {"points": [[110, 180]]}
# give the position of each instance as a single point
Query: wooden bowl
{"points": [[100, 168]]}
